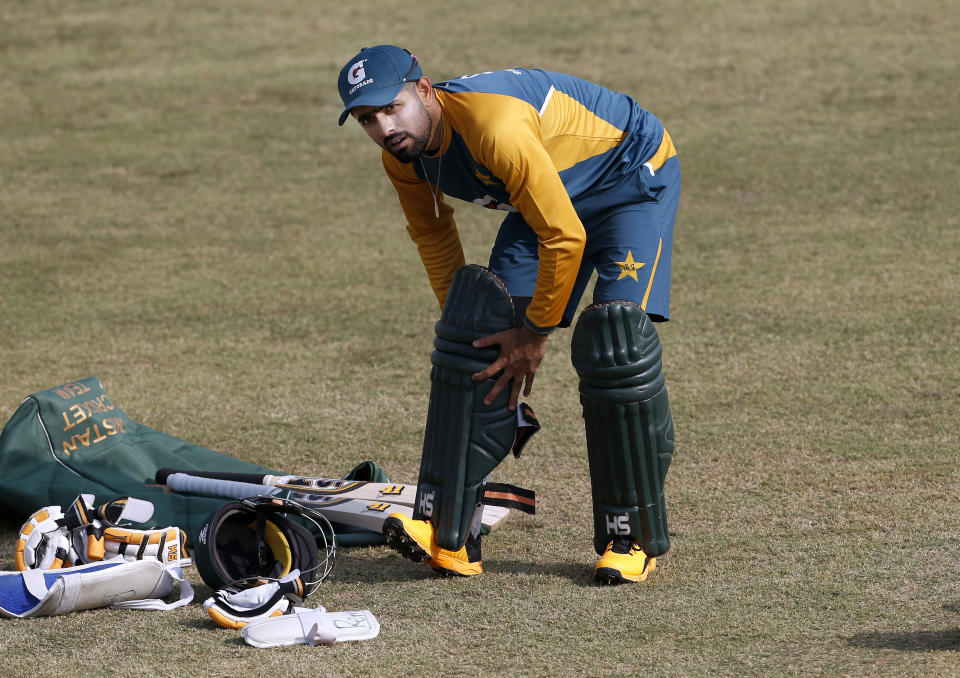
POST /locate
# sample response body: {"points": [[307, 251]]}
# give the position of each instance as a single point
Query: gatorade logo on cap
{"points": [[357, 73]]}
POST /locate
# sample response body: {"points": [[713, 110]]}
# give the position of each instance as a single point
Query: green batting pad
{"points": [[464, 439], [616, 351]]}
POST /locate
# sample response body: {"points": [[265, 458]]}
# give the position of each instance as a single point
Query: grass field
{"points": [[181, 216]]}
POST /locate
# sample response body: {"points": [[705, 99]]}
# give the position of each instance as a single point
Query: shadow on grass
{"points": [[394, 568], [908, 641], [199, 623], [204, 623], [579, 573], [391, 567]]}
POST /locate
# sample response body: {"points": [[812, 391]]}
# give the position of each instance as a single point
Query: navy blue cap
{"points": [[375, 76]]}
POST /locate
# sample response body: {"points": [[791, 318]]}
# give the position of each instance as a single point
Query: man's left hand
{"points": [[520, 354]]}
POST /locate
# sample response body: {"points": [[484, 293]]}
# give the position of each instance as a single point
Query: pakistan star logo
{"points": [[629, 267]]}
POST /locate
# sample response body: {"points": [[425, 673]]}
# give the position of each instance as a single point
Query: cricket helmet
{"points": [[250, 541]]}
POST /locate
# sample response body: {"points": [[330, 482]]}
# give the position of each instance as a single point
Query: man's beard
{"points": [[411, 152], [419, 139]]}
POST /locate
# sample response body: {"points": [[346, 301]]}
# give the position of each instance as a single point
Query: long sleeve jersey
{"points": [[544, 144]]}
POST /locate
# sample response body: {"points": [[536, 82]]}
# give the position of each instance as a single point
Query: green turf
{"points": [[181, 216]]}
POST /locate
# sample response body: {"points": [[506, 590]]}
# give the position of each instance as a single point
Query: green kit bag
{"points": [[73, 439]]}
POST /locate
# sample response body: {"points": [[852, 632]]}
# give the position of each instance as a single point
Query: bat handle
{"points": [[255, 478], [181, 482]]}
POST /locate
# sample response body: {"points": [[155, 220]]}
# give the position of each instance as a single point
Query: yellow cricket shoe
{"points": [[623, 561], [411, 538], [464, 562], [414, 540]]}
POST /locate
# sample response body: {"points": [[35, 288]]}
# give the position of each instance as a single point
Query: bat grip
{"points": [[216, 487], [255, 478]]}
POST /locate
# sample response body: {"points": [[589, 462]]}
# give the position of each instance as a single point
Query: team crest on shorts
{"points": [[629, 267]]}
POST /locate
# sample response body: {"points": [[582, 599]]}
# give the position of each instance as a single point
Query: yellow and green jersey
{"points": [[545, 144]]}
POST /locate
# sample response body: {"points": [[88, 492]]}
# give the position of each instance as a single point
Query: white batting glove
{"points": [[43, 542], [168, 545]]}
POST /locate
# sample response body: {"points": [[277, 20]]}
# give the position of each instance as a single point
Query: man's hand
{"points": [[520, 354]]}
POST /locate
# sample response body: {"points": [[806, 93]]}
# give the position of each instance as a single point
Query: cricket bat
{"points": [[365, 505]]}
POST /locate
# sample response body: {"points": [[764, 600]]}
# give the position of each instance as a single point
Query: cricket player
{"points": [[588, 182]]}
